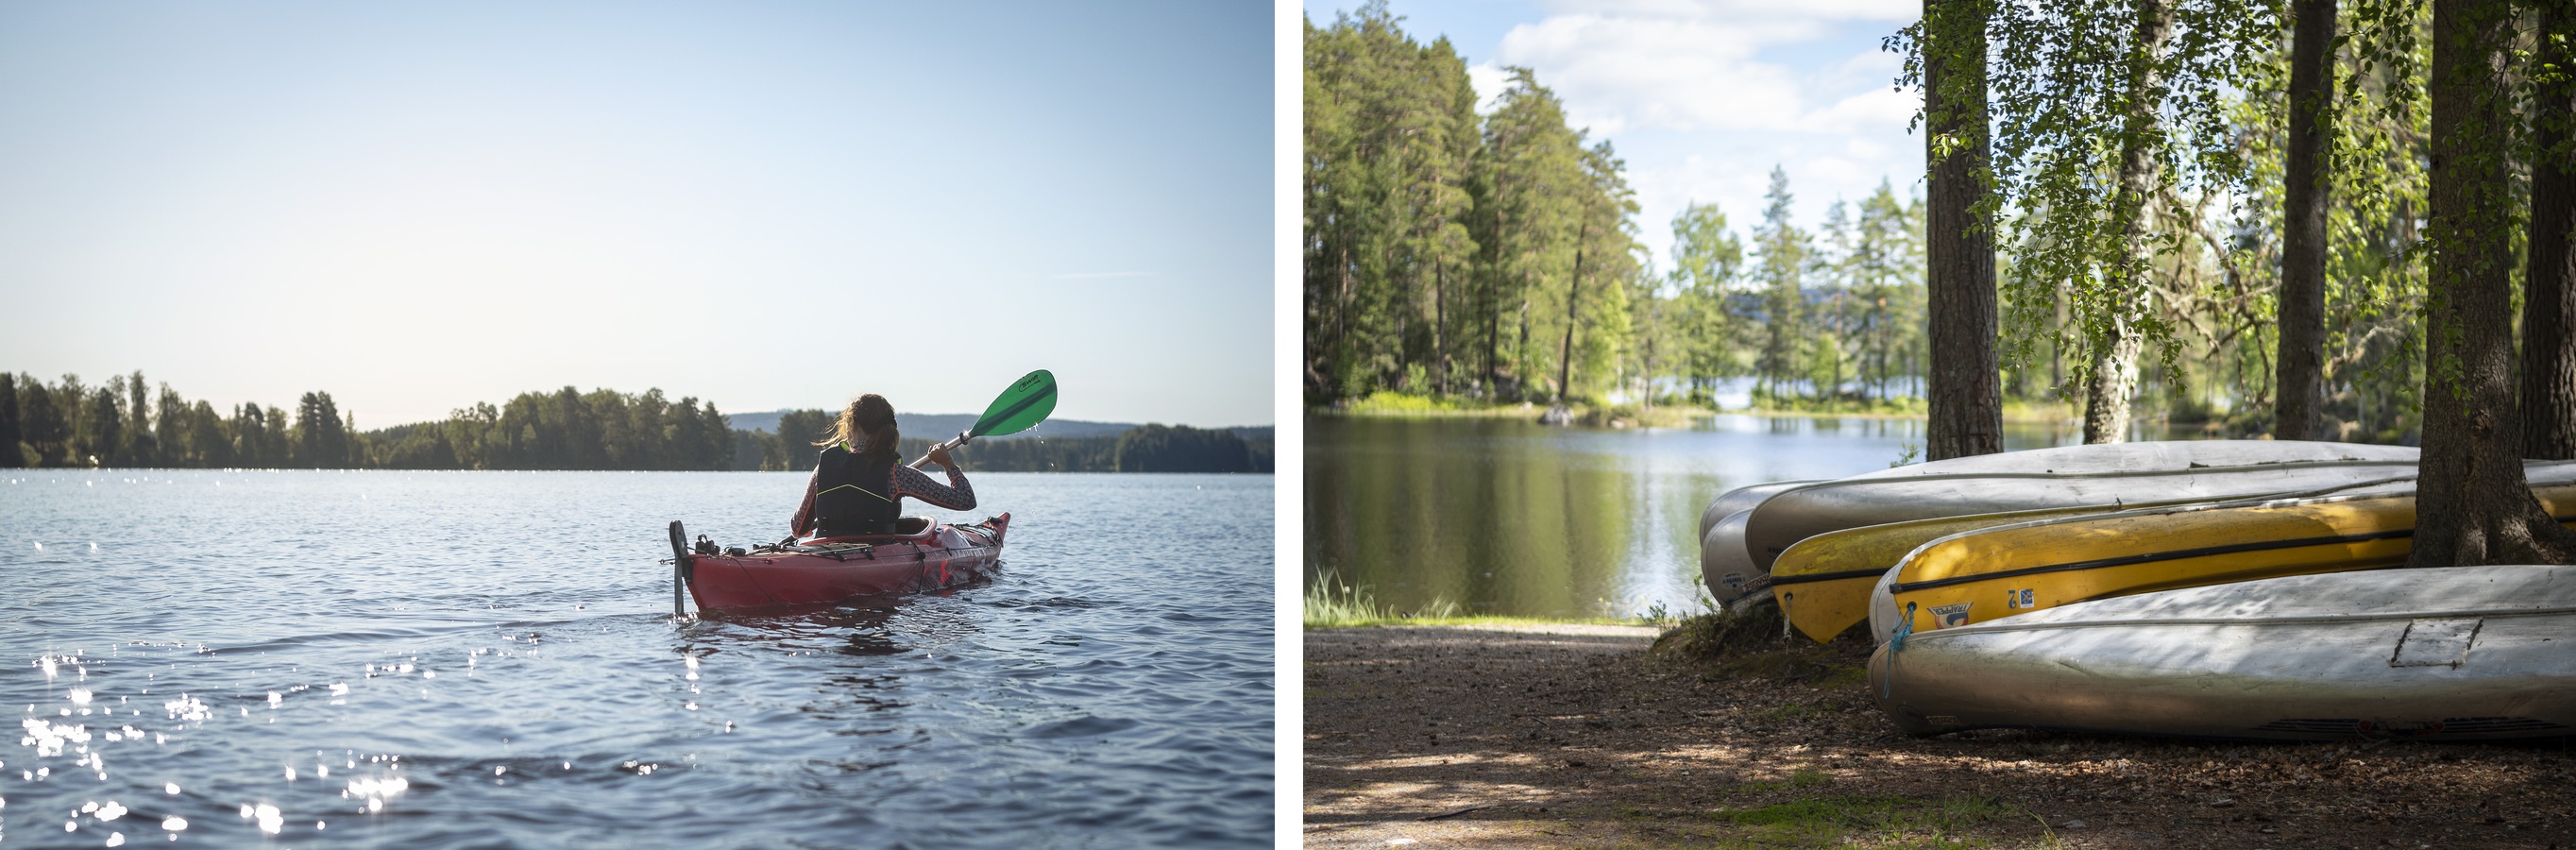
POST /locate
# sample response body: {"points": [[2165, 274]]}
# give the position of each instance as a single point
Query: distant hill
{"points": [[945, 425]]}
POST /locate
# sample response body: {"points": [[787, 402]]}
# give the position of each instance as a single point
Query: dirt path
{"points": [[1442, 736]]}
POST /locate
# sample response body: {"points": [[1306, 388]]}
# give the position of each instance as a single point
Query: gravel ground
{"points": [[1424, 737]]}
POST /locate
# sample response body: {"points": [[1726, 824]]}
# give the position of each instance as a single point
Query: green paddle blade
{"points": [[1025, 404]]}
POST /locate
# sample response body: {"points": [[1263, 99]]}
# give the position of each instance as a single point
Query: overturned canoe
{"points": [[2117, 475], [2448, 653], [1744, 498], [1725, 565], [2008, 570], [1823, 583]]}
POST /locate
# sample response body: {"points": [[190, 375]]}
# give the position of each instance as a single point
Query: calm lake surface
{"points": [[1504, 516], [488, 659]]}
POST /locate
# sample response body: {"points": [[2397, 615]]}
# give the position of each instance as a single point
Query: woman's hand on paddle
{"points": [[939, 455]]}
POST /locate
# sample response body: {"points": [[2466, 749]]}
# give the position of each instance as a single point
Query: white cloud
{"points": [[1488, 80], [1683, 65], [1830, 10], [1617, 74], [1874, 111], [1705, 97]]}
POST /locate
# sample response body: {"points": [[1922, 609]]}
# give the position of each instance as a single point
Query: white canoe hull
{"points": [[2451, 653]]}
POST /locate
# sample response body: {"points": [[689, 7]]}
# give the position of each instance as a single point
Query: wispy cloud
{"points": [[1625, 65], [1704, 97], [1098, 275]]}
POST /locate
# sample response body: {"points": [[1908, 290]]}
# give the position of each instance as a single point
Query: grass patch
{"points": [[1391, 403], [1747, 642], [1870, 820], [1723, 634], [1332, 604], [1591, 413], [1804, 777], [1794, 712], [1843, 406]]}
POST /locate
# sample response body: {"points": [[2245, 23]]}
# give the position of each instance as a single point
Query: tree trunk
{"points": [[1440, 325], [2114, 373], [1493, 336], [1520, 348], [2300, 366], [1965, 392], [1341, 322], [2549, 293], [2473, 505], [1565, 350]]}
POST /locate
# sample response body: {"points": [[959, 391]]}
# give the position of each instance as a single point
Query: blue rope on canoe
{"points": [[1896, 644]]}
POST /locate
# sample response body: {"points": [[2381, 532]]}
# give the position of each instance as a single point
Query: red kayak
{"points": [[831, 569]]}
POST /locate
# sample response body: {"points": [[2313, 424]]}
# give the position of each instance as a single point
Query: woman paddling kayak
{"points": [[859, 480]]}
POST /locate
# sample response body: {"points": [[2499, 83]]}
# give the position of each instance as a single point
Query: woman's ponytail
{"points": [[870, 419]]}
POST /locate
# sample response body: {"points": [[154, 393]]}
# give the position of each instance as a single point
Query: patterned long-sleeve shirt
{"points": [[956, 495]]}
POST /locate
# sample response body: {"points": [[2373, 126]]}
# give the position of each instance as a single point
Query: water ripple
{"points": [[269, 656]]}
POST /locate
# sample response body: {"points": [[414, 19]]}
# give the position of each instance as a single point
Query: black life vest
{"points": [[853, 495]]}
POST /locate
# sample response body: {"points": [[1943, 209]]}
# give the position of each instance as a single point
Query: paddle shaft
{"points": [[679, 569], [953, 442]]}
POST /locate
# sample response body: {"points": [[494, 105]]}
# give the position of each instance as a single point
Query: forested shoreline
{"points": [[127, 422], [1495, 256], [2137, 215]]}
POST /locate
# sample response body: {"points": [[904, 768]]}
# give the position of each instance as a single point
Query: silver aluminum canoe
{"points": [[1725, 566], [1743, 499], [2452, 653], [2065, 477]]}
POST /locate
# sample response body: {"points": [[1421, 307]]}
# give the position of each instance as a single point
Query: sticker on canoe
{"points": [[2019, 599], [1733, 580], [1953, 614]]}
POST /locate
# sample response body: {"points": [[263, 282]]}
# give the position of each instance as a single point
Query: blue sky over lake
{"points": [[417, 207]]}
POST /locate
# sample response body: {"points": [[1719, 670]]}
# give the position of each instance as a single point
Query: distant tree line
{"points": [[1145, 448], [127, 422]]}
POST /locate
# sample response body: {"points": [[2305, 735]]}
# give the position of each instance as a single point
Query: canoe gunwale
{"points": [[2006, 624], [1839, 575], [2290, 498], [2149, 558]]}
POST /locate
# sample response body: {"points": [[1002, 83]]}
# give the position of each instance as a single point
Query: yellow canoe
{"points": [[1984, 575], [1823, 582]]}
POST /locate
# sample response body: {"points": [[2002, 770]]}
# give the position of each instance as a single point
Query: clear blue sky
{"points": [[420, 206], [1703, 97]]}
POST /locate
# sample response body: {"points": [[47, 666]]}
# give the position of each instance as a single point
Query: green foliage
{"points": [[2110, 120], [1800, 778], [1782, 249], [1495, 258], [1390, 133], [1903, 821], [1181, 448], [1332, 604], [1448, 254], [563, 429], [10, 433]]}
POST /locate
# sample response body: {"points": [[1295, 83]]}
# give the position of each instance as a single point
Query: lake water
{"points": [[488, 659], [1504, 516]]}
